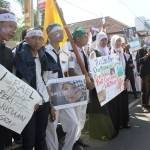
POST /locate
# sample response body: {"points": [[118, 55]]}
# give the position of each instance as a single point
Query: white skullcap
{"points": [[34, 32], [8, 17]]}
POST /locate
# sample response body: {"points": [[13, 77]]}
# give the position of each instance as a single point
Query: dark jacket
{"points": [[6, 57], [145, 66], [25, 64], [140, 54], [54, 66], [128, 69]]}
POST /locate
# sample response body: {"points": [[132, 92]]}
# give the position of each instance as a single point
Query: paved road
{"points": [[136, 138]]}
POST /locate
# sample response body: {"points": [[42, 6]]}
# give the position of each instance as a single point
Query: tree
{"points": [[17, 36], [21, 2], [4, 4]]}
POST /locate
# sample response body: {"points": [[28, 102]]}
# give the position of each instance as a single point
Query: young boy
{"points": [[31, 66]]}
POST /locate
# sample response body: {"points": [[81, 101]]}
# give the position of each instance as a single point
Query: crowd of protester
{"points": [[35, 63]]}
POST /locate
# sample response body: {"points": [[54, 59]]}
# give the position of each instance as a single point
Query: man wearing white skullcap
{"points": [[31, 66]]}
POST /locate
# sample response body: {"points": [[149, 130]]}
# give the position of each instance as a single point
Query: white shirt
{"points": [[76, 66], [64, 57], [41, 87]]}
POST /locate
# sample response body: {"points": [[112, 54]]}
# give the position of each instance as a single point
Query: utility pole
{"points": [[41, 9], [28, 13]]}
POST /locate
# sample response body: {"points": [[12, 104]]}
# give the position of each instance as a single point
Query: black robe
{"points": [[101, 119]]}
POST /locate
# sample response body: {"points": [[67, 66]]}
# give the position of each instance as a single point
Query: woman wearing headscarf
{"points": [[101, 44], [120, 114], [99, 48], [100, 123]]}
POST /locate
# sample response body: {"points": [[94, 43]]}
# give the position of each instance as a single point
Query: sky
{"points": [[78, 10]]}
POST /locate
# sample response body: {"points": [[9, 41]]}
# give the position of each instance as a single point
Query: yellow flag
{"points": [[52, 16]]}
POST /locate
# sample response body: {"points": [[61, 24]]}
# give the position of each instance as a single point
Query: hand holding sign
{"points": [[89, 83], [52, 114], [17, 101]]}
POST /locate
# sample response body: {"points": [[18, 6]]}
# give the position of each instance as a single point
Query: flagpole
{"points": [[80, 62]]}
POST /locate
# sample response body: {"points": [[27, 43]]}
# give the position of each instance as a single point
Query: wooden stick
{"points": [[79, 60]]}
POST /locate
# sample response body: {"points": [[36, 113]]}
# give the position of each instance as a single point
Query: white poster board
{"points": [[108, 76], [17, 101]]}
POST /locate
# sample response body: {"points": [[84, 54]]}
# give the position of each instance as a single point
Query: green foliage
{"points": [[19, 30], [4, 4], [21, 2], [18, 33]]}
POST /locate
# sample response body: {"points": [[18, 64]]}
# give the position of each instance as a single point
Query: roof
{"points": [[112, 25]]}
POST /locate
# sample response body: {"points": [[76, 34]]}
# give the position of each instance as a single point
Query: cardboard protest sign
{"points": [[108, 76], [17, 101]]}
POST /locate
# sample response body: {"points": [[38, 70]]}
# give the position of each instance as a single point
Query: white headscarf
{"points": [[113, 44], [123, 40], [103, 50], [118, 51]]}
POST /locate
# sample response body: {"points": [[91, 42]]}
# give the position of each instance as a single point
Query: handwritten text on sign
{"points": [[17, 101], [108, 75]]}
